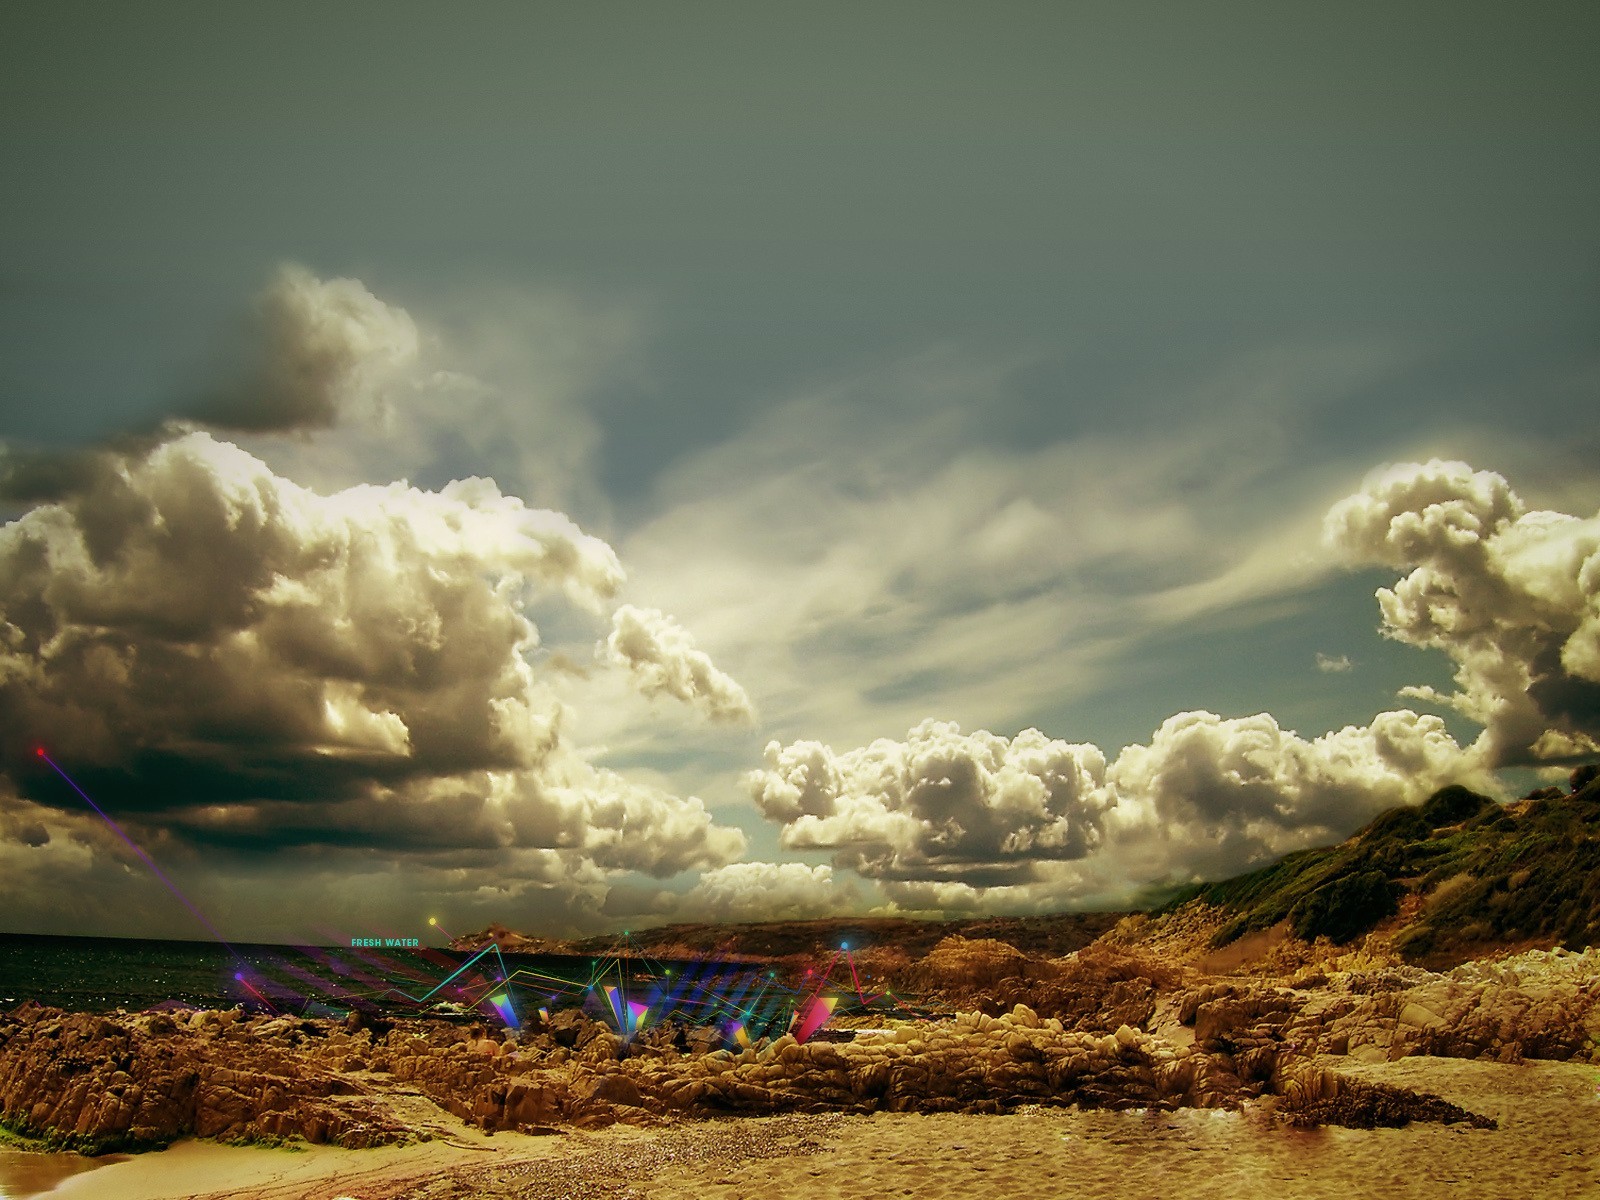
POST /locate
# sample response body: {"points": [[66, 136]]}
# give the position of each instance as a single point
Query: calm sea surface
{"points": [[100, 974]]}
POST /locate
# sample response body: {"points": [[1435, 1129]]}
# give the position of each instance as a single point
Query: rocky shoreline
{"points": [[1101, 1029]]}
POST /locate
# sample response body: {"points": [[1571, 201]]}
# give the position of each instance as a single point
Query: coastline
{"points": [[1147, 1074], [1547, 1111]]}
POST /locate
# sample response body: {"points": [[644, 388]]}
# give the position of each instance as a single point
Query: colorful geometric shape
{"points": [[813, 1015]]}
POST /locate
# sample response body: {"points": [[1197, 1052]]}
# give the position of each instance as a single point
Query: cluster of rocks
{"points": [[101, 1083], [130, 1081], [1092, 991], [1542, 1004], [1098, 1030]]}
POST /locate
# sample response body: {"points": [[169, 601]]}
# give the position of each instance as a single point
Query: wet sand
{"points": [[24, 1174], [1548, 1144]]}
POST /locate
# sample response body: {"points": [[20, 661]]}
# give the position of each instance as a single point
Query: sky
{"points": [[592, 465]]}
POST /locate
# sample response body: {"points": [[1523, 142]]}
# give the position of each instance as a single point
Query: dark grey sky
{"points": [[1175, 276], [1119, 187]]}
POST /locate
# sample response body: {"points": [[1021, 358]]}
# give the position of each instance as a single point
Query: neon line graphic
{"points": [[502, 1005], [134, 846], [241, 979], [155, 870], [817, 1011], [626, 988]]}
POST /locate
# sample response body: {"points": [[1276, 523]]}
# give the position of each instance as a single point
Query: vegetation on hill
{"points": [[1462, 873], [1454, 878], [886, 941], [817, 939]]}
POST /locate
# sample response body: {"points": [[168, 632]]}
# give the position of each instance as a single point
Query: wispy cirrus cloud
{"points": [[871, 551]]}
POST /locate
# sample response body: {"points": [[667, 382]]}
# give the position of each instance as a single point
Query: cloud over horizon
{"points": [[260, 663], [944, 818], [254, 668], [350, 681], [1008, 818]]}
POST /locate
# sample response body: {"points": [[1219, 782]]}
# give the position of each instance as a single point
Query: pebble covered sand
{"points": [[1137, 1080], [1548, 1144]]}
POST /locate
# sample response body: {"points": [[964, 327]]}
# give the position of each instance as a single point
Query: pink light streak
{"points": [[154, 870]]}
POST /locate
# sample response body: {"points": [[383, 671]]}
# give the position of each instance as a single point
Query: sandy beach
{"points": [[1548, 1144]]}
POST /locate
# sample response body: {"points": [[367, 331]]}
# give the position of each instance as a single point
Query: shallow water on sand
{"points": [[24, 1173]]}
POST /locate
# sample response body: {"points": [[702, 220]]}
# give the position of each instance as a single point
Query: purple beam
{"points": [[145, 858]]}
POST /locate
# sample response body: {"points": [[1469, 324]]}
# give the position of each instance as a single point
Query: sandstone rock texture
{"points": [[1099, 1029], [130, 1082]]}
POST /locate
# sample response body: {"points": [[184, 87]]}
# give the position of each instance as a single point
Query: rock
{"points": [[156, 1024], [1025, 1016], [1419, 1017], [612, 1089], [957, 964], [1358, 1104], [566, 1025], [132, 1080], [1216, 1020]]}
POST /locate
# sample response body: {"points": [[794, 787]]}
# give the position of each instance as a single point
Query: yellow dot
{"points": [[433, 920]]}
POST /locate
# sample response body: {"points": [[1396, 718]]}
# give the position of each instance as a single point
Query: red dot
{"points": [[39, 750]]}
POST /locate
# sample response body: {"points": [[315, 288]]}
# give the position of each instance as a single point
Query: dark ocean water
{"points": [[100, 974]]}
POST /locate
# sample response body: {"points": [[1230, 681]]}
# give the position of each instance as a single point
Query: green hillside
{"points": [[1466, 872]]}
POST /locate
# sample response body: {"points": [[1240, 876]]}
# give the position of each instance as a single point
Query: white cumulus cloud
{"points": [[1511, 595], [940, 804], [949, 820], [251, 664], [662, 659], [1210, 794], [766, 891]]}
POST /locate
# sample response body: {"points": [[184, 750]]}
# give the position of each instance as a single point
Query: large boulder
{"points": [[961, 966]]}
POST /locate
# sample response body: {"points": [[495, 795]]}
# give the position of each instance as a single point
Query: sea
{"points": [[99, 974]]}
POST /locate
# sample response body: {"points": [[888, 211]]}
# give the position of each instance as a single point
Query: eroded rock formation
{"points": [[1104, 1028]]}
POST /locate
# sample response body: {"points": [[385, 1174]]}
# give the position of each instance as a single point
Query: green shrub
{"points": [[1454, 804], [1345, 908], [1404, 823]]}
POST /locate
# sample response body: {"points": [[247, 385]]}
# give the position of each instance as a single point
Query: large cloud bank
{"points": [[946, 819], [262, 663], [945, 816], [252, 666], [1511, 595], [242, 665]]}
